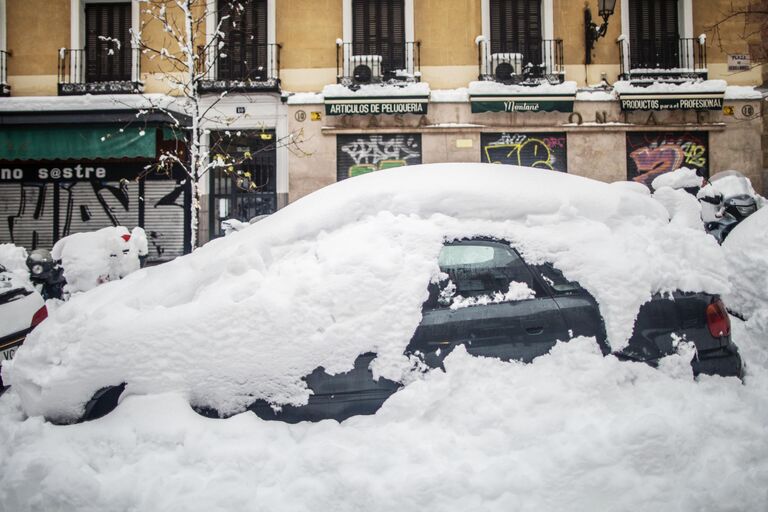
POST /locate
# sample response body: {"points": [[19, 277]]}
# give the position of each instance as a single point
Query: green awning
{"points": [[76, 142]]}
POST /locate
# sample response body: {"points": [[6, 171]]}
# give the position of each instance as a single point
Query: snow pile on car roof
{"points": [[746, 250], [345, 271]]}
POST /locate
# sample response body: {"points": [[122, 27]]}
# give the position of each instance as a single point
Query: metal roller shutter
{"points": [[164, 219], [89, 206], [27, 214]]}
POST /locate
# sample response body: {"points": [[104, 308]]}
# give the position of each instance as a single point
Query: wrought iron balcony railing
{"points": [[114, 71], [243, 67], [532, 63], [671, 60], [5, 89], [378, 62]]}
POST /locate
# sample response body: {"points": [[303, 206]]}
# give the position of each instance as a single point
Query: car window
{"points": [[480, 272], [556, 280]]}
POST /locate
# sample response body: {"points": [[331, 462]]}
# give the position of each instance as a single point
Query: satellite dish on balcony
{"points": [[504, 72], [362, 74]]}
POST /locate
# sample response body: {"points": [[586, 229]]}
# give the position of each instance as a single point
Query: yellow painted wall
{"points": [[36, 29], [308, 30]]}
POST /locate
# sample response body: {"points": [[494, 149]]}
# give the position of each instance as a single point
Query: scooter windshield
{"points": [[731, 184]]}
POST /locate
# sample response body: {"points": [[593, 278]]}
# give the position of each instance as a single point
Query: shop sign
{"points": [[739, 62], [672, 102], [521, 104], [70, 171], [376, 106]]}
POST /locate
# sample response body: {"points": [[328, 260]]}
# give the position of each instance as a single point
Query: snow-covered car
{"points": [[21, 309], [358, 289]]}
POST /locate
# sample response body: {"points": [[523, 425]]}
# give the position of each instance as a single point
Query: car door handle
{"points": [[535, 330]]}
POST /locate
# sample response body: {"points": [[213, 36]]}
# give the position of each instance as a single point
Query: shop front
{"points": [[58, 179], [609, 134]]}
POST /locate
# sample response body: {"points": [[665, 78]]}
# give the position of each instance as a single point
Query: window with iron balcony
{"points": [[515, 51], [378, 51], [108, 63], [658, 48], [239, 57]]}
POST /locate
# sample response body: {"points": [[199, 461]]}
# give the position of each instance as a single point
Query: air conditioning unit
{"points": [[506, 65], [365, 68]]}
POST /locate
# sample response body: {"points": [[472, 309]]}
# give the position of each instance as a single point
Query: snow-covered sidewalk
{"points": [[572, 431]]}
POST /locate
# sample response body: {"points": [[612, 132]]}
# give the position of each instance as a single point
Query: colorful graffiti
{"points": [[540, 150], [361, 154], [650, 154]]}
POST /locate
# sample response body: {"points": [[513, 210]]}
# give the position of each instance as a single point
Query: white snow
{"points": [[305, 98], [742, 92], [679, 178], [746, 250], [480, 88], [572, 431], [595, 95], [91, 102], [516, 291], [377, 90], [96, 257], [321, 281], [683, 208], [14, 259], [460, 95]]}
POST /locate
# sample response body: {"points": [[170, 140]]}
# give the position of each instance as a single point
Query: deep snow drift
{"points": [[572, 431], [342, 272]]}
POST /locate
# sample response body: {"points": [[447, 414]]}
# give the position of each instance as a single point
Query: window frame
{"points": [[685, 27], [212, 23], [348, 36], [78, 35], [533, 280]]}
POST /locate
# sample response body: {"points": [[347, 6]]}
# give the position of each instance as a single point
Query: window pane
{"points": [[482, 268]]}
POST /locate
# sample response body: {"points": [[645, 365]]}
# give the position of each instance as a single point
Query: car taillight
{"points": [[38, 317], [717, 319]]}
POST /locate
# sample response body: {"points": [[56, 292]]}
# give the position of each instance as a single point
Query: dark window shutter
{"points": [[516, 28], [105, 61], [244, 24], [654, 34], [378, 28]]}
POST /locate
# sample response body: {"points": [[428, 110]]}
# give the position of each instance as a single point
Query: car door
{"points": [[489, 302]]}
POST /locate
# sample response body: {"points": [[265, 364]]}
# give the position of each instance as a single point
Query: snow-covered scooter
{"points": [[727, 199]]}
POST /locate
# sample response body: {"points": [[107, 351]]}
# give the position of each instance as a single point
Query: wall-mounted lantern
{"points": [[593, 32]]}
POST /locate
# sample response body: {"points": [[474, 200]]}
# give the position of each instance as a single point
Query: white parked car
{"points": [[21, 309]]}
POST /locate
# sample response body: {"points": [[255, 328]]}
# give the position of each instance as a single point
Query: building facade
{"points": [[305, 93]]}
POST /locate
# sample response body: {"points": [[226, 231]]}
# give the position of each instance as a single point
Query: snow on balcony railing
{"points": [[528, 63], [244, 67], [674, 60], [113, 71], [5, 89], [377, 62]]}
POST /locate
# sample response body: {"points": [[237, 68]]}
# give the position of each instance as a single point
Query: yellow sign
{"points": [[316, 116], [728, 110]]}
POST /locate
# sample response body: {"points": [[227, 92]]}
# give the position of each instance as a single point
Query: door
{"points": [[246, 188], [490, 303], [378, 28], [107, 42], [654, 34], [516, 29], [243, 55]]}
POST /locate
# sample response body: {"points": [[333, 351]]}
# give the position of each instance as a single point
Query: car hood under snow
{"points": [[342, 272]]}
